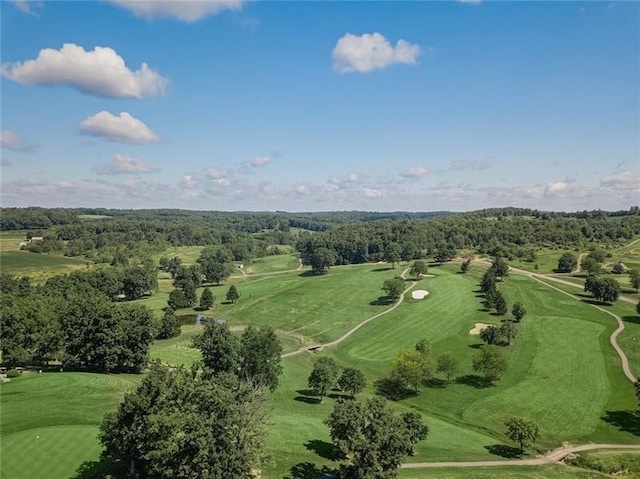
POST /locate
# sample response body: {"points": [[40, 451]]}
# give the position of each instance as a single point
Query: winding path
{"points": [[613, 339], [552, 457], [360, 324]]}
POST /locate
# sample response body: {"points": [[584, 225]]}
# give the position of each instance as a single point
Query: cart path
{"points": [[613, 339], [552, 457], [360, 324]]}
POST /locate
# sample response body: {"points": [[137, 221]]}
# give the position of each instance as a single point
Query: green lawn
{"points": [[10, 240], [562, 372], [503, 472], [50, 421], [38, 265], [546, 260], [270, 264]]}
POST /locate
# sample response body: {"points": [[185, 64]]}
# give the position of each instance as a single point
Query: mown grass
{"points": [[10, 240], [38, 265], [50, 421], [550, 471], [546, 260], [270, 264], [562, 373]]}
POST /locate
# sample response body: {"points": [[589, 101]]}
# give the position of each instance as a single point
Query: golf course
{"points": [[562, 371]]}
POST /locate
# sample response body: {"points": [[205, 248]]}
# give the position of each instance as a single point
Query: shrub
{"points": [[13, 373]]}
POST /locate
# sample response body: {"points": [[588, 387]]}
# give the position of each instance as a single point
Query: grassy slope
{"points": [[53, 420], [562, 372]]}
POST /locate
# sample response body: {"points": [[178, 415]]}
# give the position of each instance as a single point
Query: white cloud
{"points": [[372, 193], [124, 164], [301, 190], [415, 172], [624, 180], [11, 141], [259, 161], [100, 72], [371, 51], [557, 188], [123, 128], [185, 10], [30, 8]]}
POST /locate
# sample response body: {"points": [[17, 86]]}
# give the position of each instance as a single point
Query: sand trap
{"points": [[419, 294], [478, 328]]}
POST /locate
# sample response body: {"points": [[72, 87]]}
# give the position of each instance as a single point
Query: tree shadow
{"points": [[476, 346], [503, 450], [337, 395], [310, 274], [435, 383], [392, 389], [627, 421], [308, 400], [377, 270], [631, 319], [475, 381], [308, 470], [381, 301], [324, 449], [100, 469]]}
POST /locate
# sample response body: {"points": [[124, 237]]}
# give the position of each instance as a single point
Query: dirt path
{"points": [[361, 323], [552, 457]]}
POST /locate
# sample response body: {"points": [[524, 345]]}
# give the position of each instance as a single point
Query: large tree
{"points": [[606, 290], [393, 287], [490, 361], [374, 437], [323, 376], [261, 352], [352, 380], [411, 368], [634, 279], [518, 311], [206, 299], [567, 262], [169, 325], [232, 294], [521, 430], [418, 268], [220, 348], [500, 267], [185, 424], [321, 259], [447, 364], [392, 254]]}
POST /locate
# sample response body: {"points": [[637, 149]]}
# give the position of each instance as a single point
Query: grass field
{"points": [[504, 472], [50, 421], [562, 372], [270, 264], [38, 265], [546, 260], [10, 240]]}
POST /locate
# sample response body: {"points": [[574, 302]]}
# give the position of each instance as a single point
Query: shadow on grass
{"points": [[310, 274], [102, 468], [381, 301], [392, 389], [476, 346], [631, 319], [308, 470], [377, 270], [503, 450], [627, 421], [435, 383], [324, 449], [473, 380]]}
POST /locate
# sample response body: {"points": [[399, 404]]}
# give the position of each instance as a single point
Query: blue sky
{"points": [[307, 106]]}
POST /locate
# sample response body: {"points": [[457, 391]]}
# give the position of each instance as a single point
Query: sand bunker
{"points": [[478, 328], [419, 294]]}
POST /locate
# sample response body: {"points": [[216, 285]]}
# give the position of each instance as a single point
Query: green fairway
{"points": [[546, 260], [38, 265], [547, 378], [270, 264], [550, 471], [52, 419]]}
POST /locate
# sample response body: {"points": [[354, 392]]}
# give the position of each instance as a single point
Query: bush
{"points": [[13, 373]]}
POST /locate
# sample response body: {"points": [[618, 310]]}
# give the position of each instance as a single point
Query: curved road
{"points": [[360, 324], [552, 457]]}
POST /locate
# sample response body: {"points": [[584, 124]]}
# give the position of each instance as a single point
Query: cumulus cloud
{"points": [[184, 10], [123, 128], [624, 180], [371, 51], [124, 164], [259, 161], [372, 193], [462, 165], [100, 72], [11, 141], [415, 172]]}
